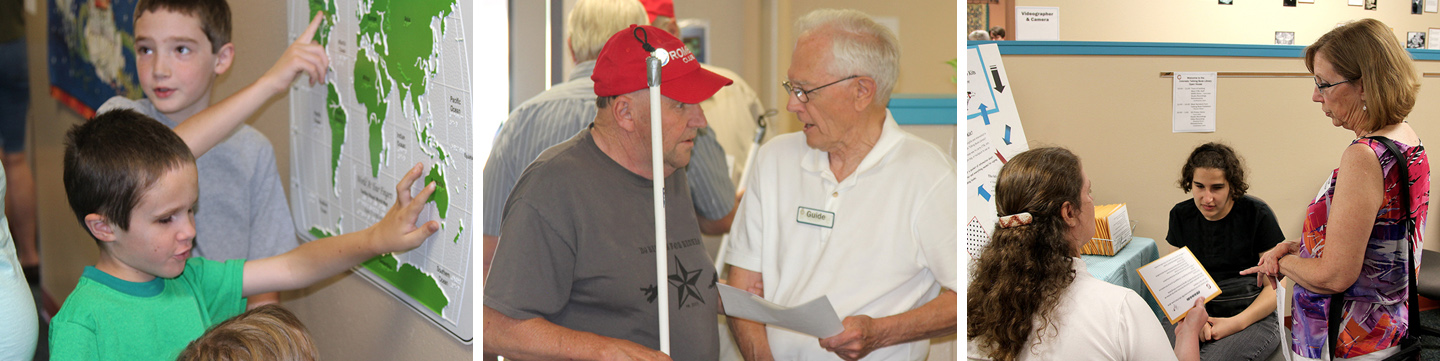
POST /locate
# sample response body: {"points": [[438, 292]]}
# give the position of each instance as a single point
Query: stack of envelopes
{"points": [[1112, 230]]}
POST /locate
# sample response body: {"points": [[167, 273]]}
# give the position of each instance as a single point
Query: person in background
{"points": [[979, 35], [1047, 214], [18, 246], [19, 323], [997, 33], [731, 113], [559, 113], [1227, 230], [851, 189], [265, 333], [1365, 83]]}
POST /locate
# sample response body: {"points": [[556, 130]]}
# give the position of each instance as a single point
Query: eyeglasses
{"points": [[1320, 87], [802, 94]]}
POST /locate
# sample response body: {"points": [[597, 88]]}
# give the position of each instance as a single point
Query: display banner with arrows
{"points": [[990, 97], [993, 134]]}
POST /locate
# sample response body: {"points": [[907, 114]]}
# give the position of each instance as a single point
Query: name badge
{"points": [[815, 217]]}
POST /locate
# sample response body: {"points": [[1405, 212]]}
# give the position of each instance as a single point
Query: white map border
{"points": [[457, 318]]}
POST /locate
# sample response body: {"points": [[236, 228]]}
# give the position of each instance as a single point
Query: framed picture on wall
{"points": [[696, 35], [1415, 7], [1227, 2], [1284, 38], [1370, 5], [1290, 3], [1356, 2], [1416, 40], [1434, 32]]}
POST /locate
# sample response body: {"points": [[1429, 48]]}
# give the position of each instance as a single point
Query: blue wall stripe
{"points": [[912, 109], [1029, 47]]}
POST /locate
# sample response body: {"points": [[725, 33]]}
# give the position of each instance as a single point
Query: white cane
{"points": [[744, 176], [657, 172]]}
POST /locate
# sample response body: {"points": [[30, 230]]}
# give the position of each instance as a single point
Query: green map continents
{"points": [[397, 93]]}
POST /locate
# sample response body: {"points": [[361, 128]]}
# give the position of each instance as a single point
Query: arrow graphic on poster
{"points": [[984, 194], [984, 114], [995, 74], [1006, 138]]}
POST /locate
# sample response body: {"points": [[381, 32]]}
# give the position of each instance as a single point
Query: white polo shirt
{"points": [[880, 243]]}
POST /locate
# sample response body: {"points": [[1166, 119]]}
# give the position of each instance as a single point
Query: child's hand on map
{"points": [[397, 231], [303, 56]]}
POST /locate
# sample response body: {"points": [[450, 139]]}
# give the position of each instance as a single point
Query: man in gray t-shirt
{"points": [[576, 263]]}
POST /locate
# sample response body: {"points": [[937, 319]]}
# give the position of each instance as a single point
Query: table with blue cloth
{"points": [[1120, 269]]}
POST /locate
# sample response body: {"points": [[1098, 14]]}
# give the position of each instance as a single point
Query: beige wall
{"points": [[1203, 21], [928, 39], [1114, 111], [350, 318]]}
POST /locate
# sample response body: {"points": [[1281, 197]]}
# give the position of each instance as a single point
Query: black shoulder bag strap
{"points": [[1409, 346]]}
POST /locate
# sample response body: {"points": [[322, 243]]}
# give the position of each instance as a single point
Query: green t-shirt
{"points": [[107, 318]]}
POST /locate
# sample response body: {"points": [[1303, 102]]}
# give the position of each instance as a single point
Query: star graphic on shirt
{"points": [[685, 282], [650, 293]]}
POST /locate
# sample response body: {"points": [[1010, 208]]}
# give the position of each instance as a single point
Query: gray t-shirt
{"points": [[242, 212], [578, 250], [555, 116]]}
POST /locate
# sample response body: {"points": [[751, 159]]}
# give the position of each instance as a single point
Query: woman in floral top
{"points": [[1355, 237]]}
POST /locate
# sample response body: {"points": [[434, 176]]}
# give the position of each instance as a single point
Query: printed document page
{"points": [[1176, 280], [816, 318]]}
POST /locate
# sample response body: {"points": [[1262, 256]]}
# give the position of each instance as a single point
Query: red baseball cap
{"points": [[621, 67], [655, 8]]}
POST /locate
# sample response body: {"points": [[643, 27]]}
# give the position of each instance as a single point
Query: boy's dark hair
{"points": [[112, 159], [1216, 156], [214, 16]]}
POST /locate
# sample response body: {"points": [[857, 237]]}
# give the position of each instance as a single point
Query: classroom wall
{"points": [[928, 39], [1114, 112], [1204, 21], [349, 318]]}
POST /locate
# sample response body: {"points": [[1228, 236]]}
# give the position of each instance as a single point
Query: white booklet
{"points": [[816, 318], [1176, 280]]}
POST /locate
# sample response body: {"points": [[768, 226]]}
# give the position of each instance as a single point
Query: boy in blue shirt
{"points": [[133, 185]]}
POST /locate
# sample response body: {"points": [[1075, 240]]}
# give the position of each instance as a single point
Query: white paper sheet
{"points": [[1037, 23], [1176, 280], [1193, 103], [816, 318], [1280, 297]]}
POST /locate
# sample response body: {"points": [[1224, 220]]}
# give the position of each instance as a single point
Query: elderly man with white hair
{"points": [[852, 208]]}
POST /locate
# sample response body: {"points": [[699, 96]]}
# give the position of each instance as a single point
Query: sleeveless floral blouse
{"points": [[1375, 313]]}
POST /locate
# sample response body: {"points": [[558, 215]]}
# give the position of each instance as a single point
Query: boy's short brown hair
{"points": [[112, 159], [214, 16]]}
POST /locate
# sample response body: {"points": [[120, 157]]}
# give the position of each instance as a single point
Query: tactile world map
{"points": [[397, 93]]}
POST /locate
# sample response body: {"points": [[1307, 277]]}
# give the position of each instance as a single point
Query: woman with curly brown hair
{"points": [[1032, 297], [1227, 229]]}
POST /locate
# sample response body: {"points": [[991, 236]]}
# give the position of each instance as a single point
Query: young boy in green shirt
{"points": [[132, 183], [181, 47]]}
